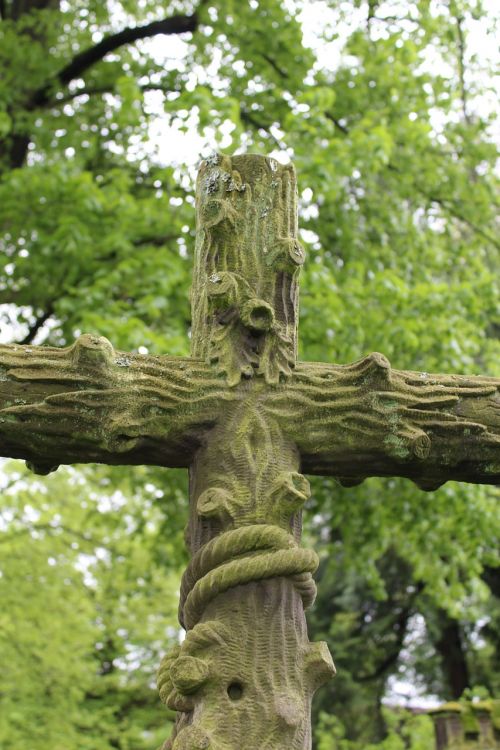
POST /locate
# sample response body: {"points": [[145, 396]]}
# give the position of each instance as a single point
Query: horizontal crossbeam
{"points": [[90, 403]]}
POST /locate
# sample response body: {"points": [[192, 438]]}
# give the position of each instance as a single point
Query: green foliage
{"points": [[89, 597], [89, 589], [405, 731], [392, 140]]}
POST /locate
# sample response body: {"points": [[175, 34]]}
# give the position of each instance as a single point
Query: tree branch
{"points": [[399, 625], [179, 24], [337, 123], [443, 202], [451, 210], [5, 538], [491, 576], [274, 65], [245, 116], [449, 644], [39, 322], [461, 68], [156, 241], [372, 7], [72, 95]]}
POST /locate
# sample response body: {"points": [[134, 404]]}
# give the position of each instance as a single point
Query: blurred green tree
{"points": [[385, 113]]}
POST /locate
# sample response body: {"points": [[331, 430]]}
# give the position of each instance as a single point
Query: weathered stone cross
{"points": [[246, 419]]}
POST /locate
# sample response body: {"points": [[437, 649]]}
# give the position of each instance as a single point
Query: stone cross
{"points": [[248, 421]]}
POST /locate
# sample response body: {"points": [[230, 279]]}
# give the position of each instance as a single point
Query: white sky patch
{"points": [[403, 688]]}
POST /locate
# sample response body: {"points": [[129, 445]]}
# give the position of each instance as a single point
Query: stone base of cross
{"points": [[248, 421]]}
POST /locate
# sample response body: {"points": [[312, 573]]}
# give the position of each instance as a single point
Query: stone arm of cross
{"points": [[90, 403]]}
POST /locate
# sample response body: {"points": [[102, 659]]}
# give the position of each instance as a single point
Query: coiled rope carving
{"points": [[243, 555], [235, 557]]}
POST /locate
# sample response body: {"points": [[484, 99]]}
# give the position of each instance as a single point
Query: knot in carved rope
{"points": [[243, 555]]}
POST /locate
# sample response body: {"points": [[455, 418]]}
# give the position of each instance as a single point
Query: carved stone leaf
{"points": [[276, 357], [230, 354]]}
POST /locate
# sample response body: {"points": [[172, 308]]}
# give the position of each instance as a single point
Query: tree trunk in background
{"points": [[450, 647]]}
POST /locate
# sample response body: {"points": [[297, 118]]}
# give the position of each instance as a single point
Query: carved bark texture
{"points": [[247, 584], [251, 681], [90, 403], [244, 677], [367, 419], [245, 291]]}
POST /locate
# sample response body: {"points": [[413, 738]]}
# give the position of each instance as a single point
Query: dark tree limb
{"points": [[179, 24], [452, 652], [17, 146], [248, 118], [274, 65], [337, 123], [38, 323], [447, 206], [399, 627], [461, 68], [491, 576], [445, 203], [72, 95]]}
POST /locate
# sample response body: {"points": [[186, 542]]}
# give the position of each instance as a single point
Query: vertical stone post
{"points": [[246, 673]]}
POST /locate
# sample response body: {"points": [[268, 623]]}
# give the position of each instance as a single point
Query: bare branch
{"points": [[47, 527], [42, 97], [461, 68], [337, 123], [399, 625], [250, 119], [179, 24], [39, 322], [450, 207], [274, 65], [72, 95]]}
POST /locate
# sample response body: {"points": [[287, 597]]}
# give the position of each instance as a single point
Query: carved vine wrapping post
{"points": [[248, 422]]}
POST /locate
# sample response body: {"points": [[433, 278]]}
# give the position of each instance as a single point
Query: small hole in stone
{"points": [[235, 691]]}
